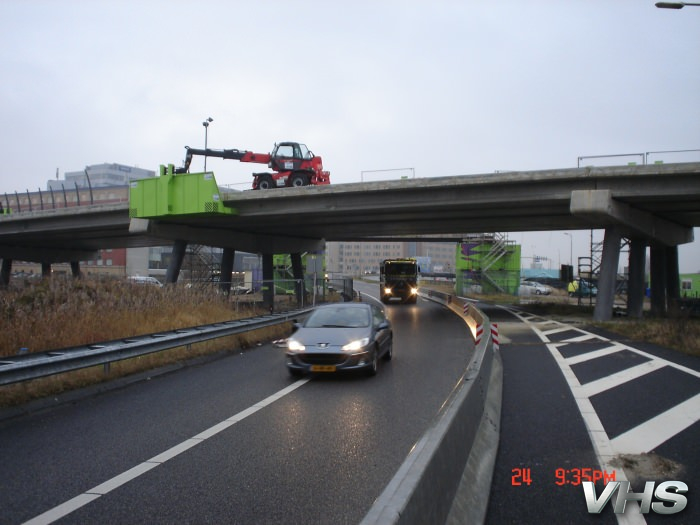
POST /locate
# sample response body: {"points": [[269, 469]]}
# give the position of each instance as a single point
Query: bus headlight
{"points": [[414, 291], [387, 290]]}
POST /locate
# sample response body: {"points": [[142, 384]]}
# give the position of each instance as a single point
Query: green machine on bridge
{"points": [[176, 194]]}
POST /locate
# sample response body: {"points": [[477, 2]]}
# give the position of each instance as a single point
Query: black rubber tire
{"points": [[296, 180], [265, 182], [390, 352], [372, 369]]}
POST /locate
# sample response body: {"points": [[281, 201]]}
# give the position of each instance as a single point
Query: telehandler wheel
{"points": [[265, 182], [299, 179]]}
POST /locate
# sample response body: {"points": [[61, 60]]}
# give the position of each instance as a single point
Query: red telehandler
{"points": [[293, 165]]}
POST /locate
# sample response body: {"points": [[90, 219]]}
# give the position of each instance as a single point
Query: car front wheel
{"points": [[389, 351], [372, 368]]}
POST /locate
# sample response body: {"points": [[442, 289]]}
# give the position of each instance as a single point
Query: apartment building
{"points": [[363, 258]]}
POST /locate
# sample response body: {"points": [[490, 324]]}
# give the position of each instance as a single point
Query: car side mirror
{"points": [[384, 325]]}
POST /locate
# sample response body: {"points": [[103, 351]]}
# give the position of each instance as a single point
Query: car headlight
{"points": [[387, 290], [295, 346], [358, 344], [414, 291]]}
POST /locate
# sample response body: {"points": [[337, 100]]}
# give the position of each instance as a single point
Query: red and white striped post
{"points": [[494, 335], [479, 333]]}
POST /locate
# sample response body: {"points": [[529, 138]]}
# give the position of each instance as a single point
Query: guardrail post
{"points": [[268, 282]]}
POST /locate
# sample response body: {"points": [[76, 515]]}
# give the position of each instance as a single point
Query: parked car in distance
{"points": [[534, 288], [144, 279], [582, 288], [340, 336]]}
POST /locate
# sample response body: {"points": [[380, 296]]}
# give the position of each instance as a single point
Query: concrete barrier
{"points": [[446, 477]]}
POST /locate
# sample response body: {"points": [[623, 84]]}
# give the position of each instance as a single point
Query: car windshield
{"points": [[340, 317]]}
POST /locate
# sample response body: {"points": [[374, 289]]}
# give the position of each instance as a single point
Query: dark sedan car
{"points": [[340, 336]]}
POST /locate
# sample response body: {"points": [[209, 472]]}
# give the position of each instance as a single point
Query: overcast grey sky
{"points": [[441, 87]]}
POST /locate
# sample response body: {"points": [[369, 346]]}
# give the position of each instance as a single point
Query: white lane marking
{"points": [[582, 358], [581, 338], [602, 446], [659, 429], [599, 438], [88, 496], [640, 439], [619, 378], [63, 509], [556, 330]]}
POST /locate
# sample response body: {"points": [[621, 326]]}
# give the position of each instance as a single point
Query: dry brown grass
{"points": [[59, 313], [682, 334]]}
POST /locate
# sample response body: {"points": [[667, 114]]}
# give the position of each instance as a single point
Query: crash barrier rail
{"points": [[447, 475], [8, 208], [39, 364]]}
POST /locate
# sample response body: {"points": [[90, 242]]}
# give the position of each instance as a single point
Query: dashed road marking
{"points": [[117, 481], [657, 430], [644, 437]]}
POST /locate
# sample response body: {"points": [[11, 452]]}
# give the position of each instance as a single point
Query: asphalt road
{"points": [[639, 401], [235, 440]]}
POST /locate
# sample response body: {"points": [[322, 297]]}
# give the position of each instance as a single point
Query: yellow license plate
{"points": [[323, 368]]}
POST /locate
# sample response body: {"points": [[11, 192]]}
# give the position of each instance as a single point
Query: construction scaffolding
{"points": [[487, 263]]}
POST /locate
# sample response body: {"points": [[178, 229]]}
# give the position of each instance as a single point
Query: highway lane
{"points": [[572, 394], [320, 452]]}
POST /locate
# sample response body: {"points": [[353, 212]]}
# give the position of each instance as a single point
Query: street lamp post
{"points": [[571, 248], [674, 5], [206, 131]]}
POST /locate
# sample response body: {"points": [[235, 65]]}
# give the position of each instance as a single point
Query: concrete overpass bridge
{"points": [[653, 206]]}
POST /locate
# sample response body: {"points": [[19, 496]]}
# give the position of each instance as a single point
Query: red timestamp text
{"points": [[563, 476], [576, 476], [520, 476]]}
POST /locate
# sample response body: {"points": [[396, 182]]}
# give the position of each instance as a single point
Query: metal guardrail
{"points": [[40, 364]]}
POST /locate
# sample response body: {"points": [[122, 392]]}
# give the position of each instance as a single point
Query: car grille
{"points": [[322, 359]]}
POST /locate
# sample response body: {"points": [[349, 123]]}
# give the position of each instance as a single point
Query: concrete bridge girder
{"points": [[643, 228], [45, 255], [225, 238], [600, 204]]}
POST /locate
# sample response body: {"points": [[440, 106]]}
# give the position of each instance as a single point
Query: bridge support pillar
{"points": [[608, 275], [636, 284], [268, 284], [75, 269], [657, 276], [673, 281], [178, 255], [227, 257], [298, 273], [5, 272]]}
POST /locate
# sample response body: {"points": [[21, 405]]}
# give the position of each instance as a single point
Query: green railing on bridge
{"points": [[173, 194]]}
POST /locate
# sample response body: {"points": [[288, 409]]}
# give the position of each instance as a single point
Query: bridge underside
{"points": [[655, 206]]}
